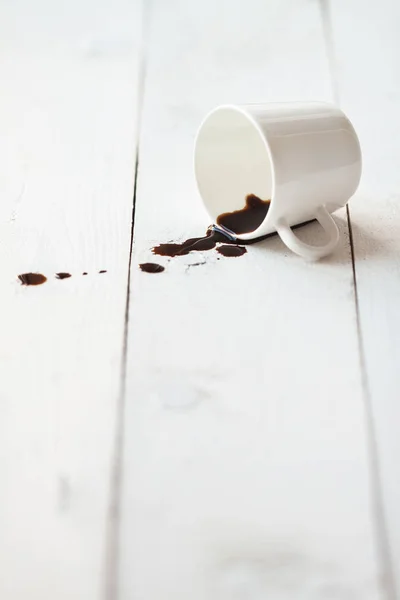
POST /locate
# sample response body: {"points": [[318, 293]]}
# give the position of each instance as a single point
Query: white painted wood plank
{"points": [[367, 50], [68, 101], [245, 462]]}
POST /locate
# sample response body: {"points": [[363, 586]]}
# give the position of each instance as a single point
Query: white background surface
{"points": [[226, 431]]}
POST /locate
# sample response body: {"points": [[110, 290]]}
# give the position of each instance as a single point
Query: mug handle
{"points": [[306, 250]]}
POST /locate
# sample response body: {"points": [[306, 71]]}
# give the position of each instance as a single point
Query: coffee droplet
{"points": [[63, 275], [103, 271], [151, 268], [247, 219], [84, 273], [226, 250], [32, 278]]}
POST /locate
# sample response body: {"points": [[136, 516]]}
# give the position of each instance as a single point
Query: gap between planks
{"points": [[378, 513], [111, 591]]}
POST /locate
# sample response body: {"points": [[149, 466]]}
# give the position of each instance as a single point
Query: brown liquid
{"points": [[84, 273], [151, 268], [102, 271], [240, 221], [246, 219], [32, 278], [200, 244], [226, 250], [209, 241], [63, 275]]}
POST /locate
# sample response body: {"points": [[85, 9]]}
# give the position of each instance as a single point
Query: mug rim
{"points": [[242, 110]]}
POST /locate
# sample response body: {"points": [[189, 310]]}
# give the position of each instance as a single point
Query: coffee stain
{"points": [[103, 271], [199, 244], [244, 220], [32, 278], [222, 236], [227, 250], [210, 241], [84, 273], [151, 268], [63, 275], [248, 218]]}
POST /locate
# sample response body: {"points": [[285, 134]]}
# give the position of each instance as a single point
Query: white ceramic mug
{"points": [[303, 156]]}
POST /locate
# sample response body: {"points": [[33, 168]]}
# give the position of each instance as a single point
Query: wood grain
{"points": [[245, 445], [367, 59], [67, 155]]}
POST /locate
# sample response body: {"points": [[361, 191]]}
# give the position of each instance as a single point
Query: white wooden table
{"points": [[228, 431]]}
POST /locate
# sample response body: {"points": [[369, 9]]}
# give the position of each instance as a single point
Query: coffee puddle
{"points": [[223, 239], [247, 219], [222, 236], [199, 244]]}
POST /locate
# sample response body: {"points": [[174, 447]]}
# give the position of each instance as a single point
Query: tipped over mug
{"points": [[304, 158]]}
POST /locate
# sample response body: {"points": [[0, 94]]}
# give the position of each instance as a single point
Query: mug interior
{"points": [[232, 161]]}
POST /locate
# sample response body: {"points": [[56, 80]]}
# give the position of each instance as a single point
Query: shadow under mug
{"points": [[304, 157]]}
